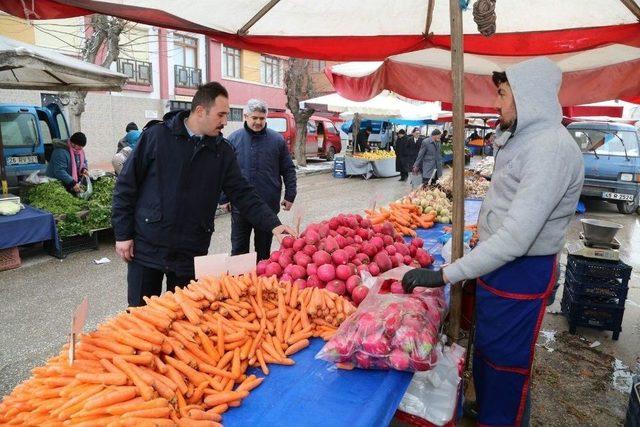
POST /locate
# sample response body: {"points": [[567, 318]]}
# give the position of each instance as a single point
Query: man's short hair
{"points": [[131, 126], [254, 105], [415, 130], [79, 138], [499, 77], [206, 95], [436, 132], [369, 129], [402, 131]]}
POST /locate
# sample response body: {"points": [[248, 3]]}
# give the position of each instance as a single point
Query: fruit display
{"points": [[389, 331], [405, 217], [485, 166], [332, 254], [181, 359], [376, 155], [475, 186], [432, 201]]}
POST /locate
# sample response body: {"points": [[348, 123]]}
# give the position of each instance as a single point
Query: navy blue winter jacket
{"points": [[265, 162], [166, 196]]}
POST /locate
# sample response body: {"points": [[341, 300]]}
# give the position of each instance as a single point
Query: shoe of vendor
{"points": [[470, 409], [402, 179]]}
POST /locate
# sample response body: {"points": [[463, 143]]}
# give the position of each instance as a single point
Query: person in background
{"points": [[398, 146], [445, 137], [429, 158], [165, 198], [68, 162], [409, 152], [362, 143], [385, 136], [121, 156], [123, 141], [522, 226], [265, 162]]}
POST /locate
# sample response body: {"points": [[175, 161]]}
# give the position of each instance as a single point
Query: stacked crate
{"points": [[595, 292], [339, 170]]}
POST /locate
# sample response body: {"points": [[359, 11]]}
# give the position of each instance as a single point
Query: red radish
{"points": [[342, 241], [288, 252], [378, 243], [287, 242], [357, 239], [423, 258], [275, 256], [362, 267], [417, 242], [352, 282], [261, 268], [402, 248], [399, 238], [399, 260], [302, 259], [364, 258], [396, 288], [366, 223], [362, 234], [273, 269], [311, 237], [374, 269], [284, 260], [298, 244], [313, 281], [387, 228], [383, 261], [369, 249], [334, 223], [356, 262], [311, 269], [407, 260], [377, 228], [391, 250], [412, 250], [331, 244], [333, 233], [343, 272], [298, 272], [351, 252], [336, 286], [359, 294], [340, 257], [321, 258], [301, 283], [350, 241], [388, 240], [326, 272], [323, 230], [286, 278], [310, 250]]}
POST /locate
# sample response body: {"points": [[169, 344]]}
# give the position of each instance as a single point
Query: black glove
{"points": [[422, 277]]}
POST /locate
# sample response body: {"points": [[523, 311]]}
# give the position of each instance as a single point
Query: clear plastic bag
{"points": [[390, 331], [433, 395]]}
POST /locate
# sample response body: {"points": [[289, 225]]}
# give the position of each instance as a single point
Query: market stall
{"points": [[380, 164], [30, 225]]}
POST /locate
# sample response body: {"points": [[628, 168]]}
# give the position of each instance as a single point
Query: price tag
{"points": [[77, 323], [298, 214], [210, 265], [241, 264], [375, 200]]}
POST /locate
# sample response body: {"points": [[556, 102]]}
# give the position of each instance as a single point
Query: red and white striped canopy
{"points": [[353, 30]]}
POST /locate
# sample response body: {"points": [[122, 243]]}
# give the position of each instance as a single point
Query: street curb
{"points": [[313, 172]]}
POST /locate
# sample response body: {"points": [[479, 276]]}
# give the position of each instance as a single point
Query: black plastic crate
{"points": [[607, 317], [73, 244], [598, 268], [597, 290], [633, 413]]}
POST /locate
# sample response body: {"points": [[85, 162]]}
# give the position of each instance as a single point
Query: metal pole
{"points": [[457, 76]]}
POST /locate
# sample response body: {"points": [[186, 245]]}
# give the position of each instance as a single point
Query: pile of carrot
{"points": [[405, 217], [473, 228], [181, 359]]}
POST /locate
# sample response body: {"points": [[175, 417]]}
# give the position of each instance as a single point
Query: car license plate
{"points": [[618, 196], [21, 160]]}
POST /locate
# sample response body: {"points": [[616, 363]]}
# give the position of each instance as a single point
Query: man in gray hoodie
{"points": [[534, 191]]}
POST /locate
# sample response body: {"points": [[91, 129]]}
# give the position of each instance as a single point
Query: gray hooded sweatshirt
{"points": [[536, 182]]}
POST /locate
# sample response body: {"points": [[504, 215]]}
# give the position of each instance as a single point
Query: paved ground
{"points": [[38, 298]]}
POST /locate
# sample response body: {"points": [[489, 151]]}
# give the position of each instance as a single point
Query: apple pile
{"points": [[390, 332], [333, 253]]}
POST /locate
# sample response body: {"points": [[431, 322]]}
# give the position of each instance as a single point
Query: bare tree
{"points": [[106, 31], [299, 85]]}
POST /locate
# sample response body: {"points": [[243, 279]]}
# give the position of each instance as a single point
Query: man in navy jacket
{"points": [[165, 199], [265, 162]]}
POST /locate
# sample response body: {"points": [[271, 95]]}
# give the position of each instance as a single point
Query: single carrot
{"points": [[161, 412], [296, 347], [224, 397], [263, 365], [177, 378], [106, 379], [199, 414], [117, 395], [136, 404], [145, 390]]}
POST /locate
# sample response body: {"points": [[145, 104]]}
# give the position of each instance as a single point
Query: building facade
{"points": [[164, 68]]}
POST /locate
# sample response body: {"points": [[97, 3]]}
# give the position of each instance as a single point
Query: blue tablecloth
{"points": [[30, 225], [314, 393]]}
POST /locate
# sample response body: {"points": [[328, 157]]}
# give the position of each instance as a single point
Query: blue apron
{"points": [[510, 305]]}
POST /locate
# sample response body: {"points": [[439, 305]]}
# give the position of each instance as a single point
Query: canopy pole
{"points": [[427, 25], [633, 7], [457, 77], [266, 8]]}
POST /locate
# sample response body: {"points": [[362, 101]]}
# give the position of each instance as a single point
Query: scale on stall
{"points": [[597, 240]]}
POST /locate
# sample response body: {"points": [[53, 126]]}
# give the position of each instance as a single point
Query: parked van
{"points": [[27, 132], [612, 162], [323, 138]]}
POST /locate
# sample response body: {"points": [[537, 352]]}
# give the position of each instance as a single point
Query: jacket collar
{"points": [[252, 132], [175, 122]]}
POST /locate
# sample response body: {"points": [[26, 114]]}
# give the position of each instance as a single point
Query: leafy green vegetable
{"points": [[53, 197]]}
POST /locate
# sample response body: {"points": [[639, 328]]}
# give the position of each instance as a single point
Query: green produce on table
{"points": [[76, 216]]}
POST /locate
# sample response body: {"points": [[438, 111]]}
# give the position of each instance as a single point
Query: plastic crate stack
{"points": [[339, 168], [595, 292]]}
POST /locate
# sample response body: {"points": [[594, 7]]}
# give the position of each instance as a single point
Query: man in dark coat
{"points": [[409, 152], [165, 199], [265, 162], [398, 145], [362, 142]]}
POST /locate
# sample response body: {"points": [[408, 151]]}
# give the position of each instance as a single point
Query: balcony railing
{"points": [[139, 72], [187, 76]]}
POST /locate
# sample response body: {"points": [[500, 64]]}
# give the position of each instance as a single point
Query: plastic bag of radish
{"points": [[390, 330]]}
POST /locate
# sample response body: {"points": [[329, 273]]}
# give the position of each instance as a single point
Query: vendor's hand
{"points": [[286, 205], [282, 231], [415, 170], [125, 250], [77, 188], [226, 207], [422, 277]]}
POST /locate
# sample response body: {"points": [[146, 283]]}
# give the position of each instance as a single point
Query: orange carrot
{"points": [[107, 379], [224, 397], [117, 395], [296, 347], [145, 390]]}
